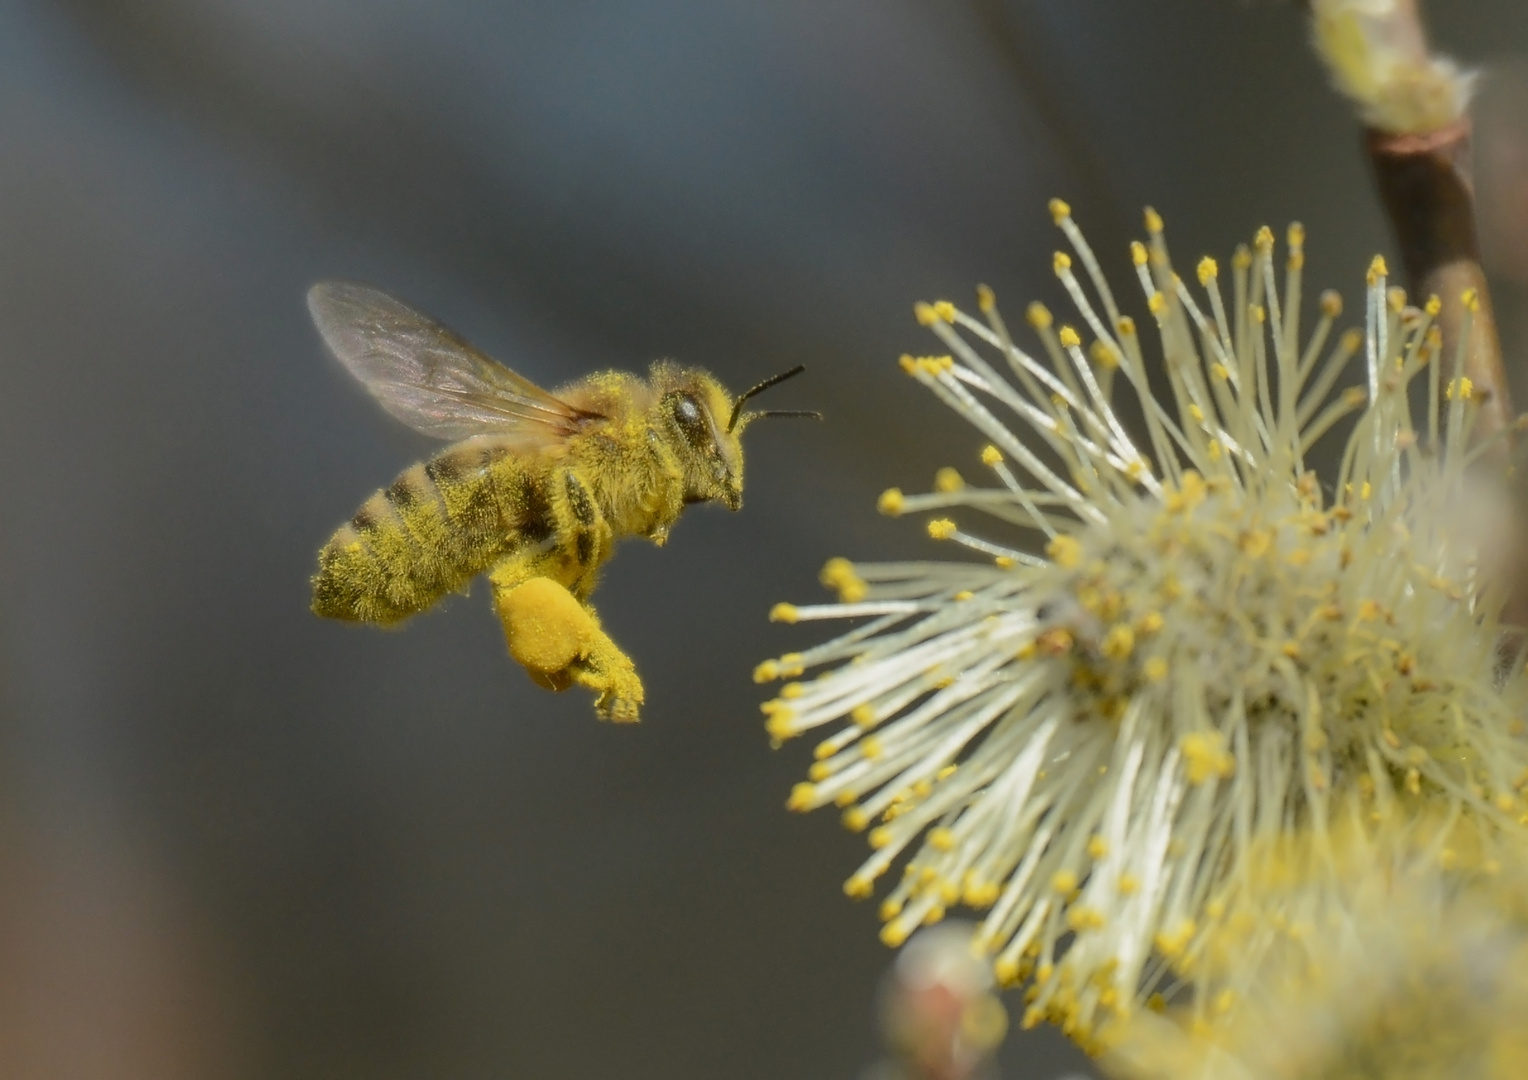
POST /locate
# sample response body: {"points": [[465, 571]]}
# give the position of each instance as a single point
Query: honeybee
{"points": [[535, 488]]}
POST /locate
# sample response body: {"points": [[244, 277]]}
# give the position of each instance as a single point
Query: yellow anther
{"points": [[1118, 642], [1005, 561], [1128, 884], [1068, 338], [1220, 371], [1263, 241], [1085, 918], [803, 797], [1462, 388], [893, 934], [890, 909], [880, 837], [1295, 235], [1153, 221], [1172, 942], [856, 818], [1150, 623], [941, 839], [1059, 211], [1126, 326], [791, 691], [863, 716], [781, 724], [890, 503], [1138, 253], [907, 364], [1470, 298], [1103, 355], [925, 314], [1259, 314], [871, 748], [1157, 303], [785, 613], [1205, 756], [1396, 299], [986, 301], [768, 671], [944, 310], [948, 480], [1377, 271], [1434, 305], [1065, 552], [1331, 303], [1064, 882], [1061, 263], [991, 455], [1098, 847], [1037, 315], [965, 594], [858, 888], [1209, 270], [941, 528], [1196, 412]]}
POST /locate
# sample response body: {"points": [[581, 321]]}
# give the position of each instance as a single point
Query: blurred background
{"points": [[238, 841]]}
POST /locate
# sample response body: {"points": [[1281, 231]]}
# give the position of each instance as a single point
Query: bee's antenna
{"points": [[737, 406], [799, 414]]}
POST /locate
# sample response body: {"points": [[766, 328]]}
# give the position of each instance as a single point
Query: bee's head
{"points": [[704, 425]]}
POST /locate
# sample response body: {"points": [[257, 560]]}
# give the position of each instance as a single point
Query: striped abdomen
{"points": [[441, 523]]}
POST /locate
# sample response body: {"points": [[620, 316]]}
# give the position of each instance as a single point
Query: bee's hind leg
{"points": [[559, 641]]}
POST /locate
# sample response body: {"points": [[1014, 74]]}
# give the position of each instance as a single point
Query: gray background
{"points": [[237, 841]]}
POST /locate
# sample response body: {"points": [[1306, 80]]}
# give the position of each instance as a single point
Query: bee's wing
{"points": [[427, 376]]}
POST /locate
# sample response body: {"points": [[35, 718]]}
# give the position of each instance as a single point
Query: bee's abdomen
{"points": [[438, 525]]}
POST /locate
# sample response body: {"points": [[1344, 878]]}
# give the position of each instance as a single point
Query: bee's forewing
{"points": [[427, 376]]}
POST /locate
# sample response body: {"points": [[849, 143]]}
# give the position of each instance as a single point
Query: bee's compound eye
{"points": [[688, 416]]}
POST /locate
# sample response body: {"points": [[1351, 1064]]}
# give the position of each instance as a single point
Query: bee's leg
{"points": [[559, 641]]}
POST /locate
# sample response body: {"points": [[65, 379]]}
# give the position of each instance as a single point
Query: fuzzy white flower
{"points": [[1215, 643]]}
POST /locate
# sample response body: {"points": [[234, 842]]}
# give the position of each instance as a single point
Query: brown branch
{"points": [[1428, 193]]}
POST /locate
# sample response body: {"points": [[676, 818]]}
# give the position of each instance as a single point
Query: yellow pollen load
{"points": [[1241, 258], [1085, 918], [1005, 561], [1331, 303], [1059, 210], [1154, 224], [1064, 882], [1196, 412], [941, 528], [1138, 253], [1377, 270], [991, 455], [792, 691], [1156, 304], [1126, 326], [1061, 262], [948, 480], [894, 934], [1470, 298], [1155, 669], [1065, 552], [781, 725], [907, 364], [1295, 235], [1038, 316], [1068, 338], [1128, 885], [785, 613], [986, 300], [1433, 306], [870, 748], [1098, 847], [1461, 388], [768, 671], [965, 594], [855, 820], [890, 503], [941, 839], [1263, 241], [1396, 299], [1150, 623], [1259, 313], [863, 716], [1209, 270]]}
